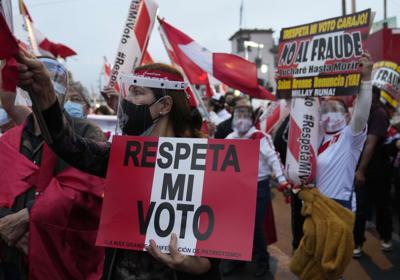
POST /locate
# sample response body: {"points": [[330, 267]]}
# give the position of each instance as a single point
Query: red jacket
{"points": [[63, 220]]}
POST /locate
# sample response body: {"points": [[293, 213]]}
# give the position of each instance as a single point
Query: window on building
{"points": [[240, 44]]}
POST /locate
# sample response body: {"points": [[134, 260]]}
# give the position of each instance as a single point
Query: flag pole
{"points": [[32, 38], [35, 49], [343, 7]]}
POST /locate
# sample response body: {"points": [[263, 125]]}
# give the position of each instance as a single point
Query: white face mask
{"points": [[333, 121], [242, 125]]}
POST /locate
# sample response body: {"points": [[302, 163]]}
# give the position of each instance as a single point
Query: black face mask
{"points": [[139, 118]]}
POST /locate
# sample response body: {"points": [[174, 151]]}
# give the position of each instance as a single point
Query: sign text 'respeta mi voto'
{"points": [[204, 190], [321, 58]]}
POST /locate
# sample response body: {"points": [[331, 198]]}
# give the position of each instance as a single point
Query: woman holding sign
{"points": [[343, 140], [147, 108]]}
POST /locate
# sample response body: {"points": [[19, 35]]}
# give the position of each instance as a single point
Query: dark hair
{"points": [[376, 94], [180, 114], [103, 110], [236, 99], [229, 93]]}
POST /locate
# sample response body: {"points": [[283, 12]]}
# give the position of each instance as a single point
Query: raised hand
{"points": [[34, 78]]}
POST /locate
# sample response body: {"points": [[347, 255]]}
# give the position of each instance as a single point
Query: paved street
{"points": [[373, 265]]}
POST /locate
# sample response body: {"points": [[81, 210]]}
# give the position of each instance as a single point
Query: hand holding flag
{"points": [[34, 78]]}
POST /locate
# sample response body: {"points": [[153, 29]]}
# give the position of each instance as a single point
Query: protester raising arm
{"points": [[363, 102], [85, 154], [172, 112]]}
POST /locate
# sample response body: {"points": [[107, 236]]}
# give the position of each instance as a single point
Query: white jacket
{"points": [[269, 158]]}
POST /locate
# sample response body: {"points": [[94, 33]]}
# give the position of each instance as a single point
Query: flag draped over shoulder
{"points": [[197, 61]]}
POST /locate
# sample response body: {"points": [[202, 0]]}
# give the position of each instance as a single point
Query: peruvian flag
{"points": [[192, 73], [45, 46], [203, 190], [273, 115], [172, 38], [8, 51], [196, 60]]}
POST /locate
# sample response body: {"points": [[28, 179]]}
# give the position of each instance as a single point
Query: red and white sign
{"points": [[135, 38], [204, 190], [303, 141]]}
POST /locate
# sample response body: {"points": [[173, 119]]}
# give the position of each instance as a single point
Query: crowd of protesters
{"points": [[52, 181]]}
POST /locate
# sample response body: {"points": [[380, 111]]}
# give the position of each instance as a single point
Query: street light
{"points": [[252, 44], [264, 68]]}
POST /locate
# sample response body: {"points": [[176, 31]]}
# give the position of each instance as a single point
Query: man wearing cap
{"points": [[218, 113]]}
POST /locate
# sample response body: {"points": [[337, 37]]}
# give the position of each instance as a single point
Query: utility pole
{"points": [[353, 6], [241, 15], [343, 7], [385, 9]]}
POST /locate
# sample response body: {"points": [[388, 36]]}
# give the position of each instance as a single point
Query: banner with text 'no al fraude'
{"points": [[321, 58], [204, 190]]}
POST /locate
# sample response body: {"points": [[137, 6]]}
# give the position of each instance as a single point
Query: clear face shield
{"points": [[333, 116], [242, 119], [58, 75], [138, 95]]}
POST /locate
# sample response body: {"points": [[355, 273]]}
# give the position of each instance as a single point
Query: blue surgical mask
{"points": [[74, 109]]}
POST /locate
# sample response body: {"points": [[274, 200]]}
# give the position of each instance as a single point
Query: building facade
{"points": [[257, 45]]}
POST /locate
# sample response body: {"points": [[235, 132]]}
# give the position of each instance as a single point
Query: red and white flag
{"points": [[273, 115], [47, 47], [192, 73], [106, 74], [203, 190], [196, 60], [38, 43], [135, 38], [172, 38]]}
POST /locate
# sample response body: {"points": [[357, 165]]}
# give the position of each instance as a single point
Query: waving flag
{"points": [[41, 43], [135, 38], [172, 38], [196, 60], [273, 115]]}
